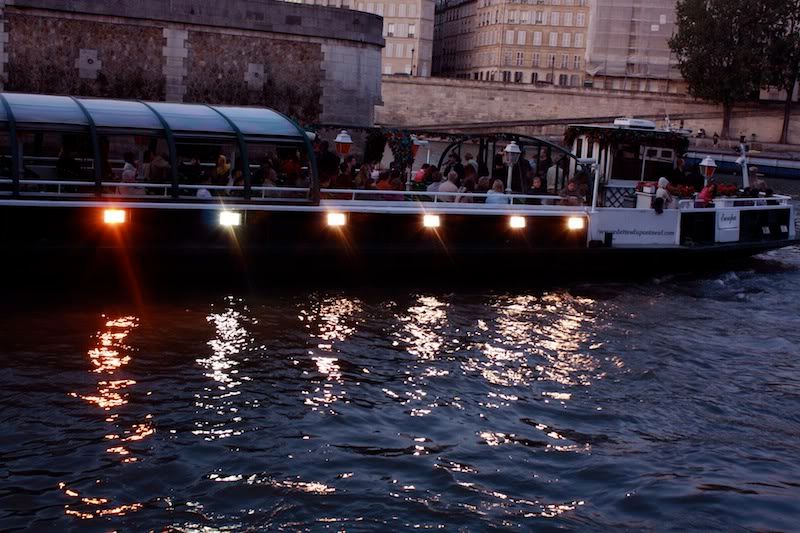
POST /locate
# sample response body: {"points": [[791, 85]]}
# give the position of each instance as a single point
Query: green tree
{"points": [[720, 46], [784, 56]]}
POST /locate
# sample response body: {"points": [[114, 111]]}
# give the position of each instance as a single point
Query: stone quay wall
{"points": [[472, 106], [313, 63]]}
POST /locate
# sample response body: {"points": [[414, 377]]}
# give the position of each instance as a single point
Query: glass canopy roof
{"points": [[132, 115]]}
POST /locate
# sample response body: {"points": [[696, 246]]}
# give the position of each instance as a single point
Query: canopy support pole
{"points": [[173, 155], [98, 170], [13, 140], [242, 152]]}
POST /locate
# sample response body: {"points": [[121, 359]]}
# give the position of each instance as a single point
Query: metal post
{"points": [[98, 171]]}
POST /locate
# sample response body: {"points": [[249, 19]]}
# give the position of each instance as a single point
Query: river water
{"points": [[668, 403]]}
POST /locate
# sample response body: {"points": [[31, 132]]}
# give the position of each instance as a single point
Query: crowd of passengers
{"points": [[463, 181]]}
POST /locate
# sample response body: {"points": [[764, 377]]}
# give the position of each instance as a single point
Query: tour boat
{"points": [[153, 179]]}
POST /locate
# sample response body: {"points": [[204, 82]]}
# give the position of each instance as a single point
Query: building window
{"points": [[521, 38], [509, 36], [537, 38], [553, 38], [506, 76], [401, 11], [379, 9], [412, 30], [392, 10], [518, 77], [579, 40], [535, 61], [576, 63], [534, 77], [539, 17], [551, 61], [389, 49], [564, 61], [520, 59], [507, 58], [580, 19], [390, 32], [554, 16], [399, 50], [370, 8], [575, 81], [408, 69], [567, 19], [387, 69], [566, 40], [563, 79], [548, 77], [412, 10], [525, 17]]}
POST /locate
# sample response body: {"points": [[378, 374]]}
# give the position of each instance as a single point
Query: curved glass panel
{"points": [[192, 118], [121, 114], [41, 108], [259, 121], [3, 114]]}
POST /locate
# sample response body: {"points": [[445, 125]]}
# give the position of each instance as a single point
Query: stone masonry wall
{"points": [[462, 105], [52, 55], [313, 63], [275, 73]]}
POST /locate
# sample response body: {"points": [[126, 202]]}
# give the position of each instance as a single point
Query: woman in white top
{"points": [[129, 176], [496, 195], [664, 194]]}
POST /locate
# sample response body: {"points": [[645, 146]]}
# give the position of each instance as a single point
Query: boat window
{"points": [[652, 152], [121, 114], [209, 168], [56, 163], [138, 163], [275, 166], [39, 108], [192, 118], [260, 121]]}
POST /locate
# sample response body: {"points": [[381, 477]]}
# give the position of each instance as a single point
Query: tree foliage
{"points": [[720, 46], [783, 55]]}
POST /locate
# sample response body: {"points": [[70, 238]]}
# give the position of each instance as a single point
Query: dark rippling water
{"points": [[672, 403]]}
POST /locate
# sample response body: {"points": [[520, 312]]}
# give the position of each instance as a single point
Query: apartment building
{"points": [[518, 41], [407, 29]]}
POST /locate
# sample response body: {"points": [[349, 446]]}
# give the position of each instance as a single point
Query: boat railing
{"points": [[371, 195], [728, 202], [136, 189]]}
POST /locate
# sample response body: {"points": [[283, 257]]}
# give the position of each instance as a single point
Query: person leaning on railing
{"points": [[496, 194]]}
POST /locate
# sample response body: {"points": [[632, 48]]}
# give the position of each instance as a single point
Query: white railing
{"points": [[370, 195], [728, 202]]}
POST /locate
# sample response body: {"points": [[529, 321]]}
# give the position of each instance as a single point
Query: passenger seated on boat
{"points": [[449, 186], [363, 179], [467, 187], [484, 185], [221, 170], [129, 176], [538, 188], [570, 195], [706, 196], [203, 193], [496, 194], [667, 201], [436, 182]]}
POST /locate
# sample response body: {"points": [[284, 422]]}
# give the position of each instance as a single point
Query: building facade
{"points": [[516, 41], [628, 47], [407, 30]]}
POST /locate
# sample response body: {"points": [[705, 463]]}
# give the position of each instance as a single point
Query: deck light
{"points": [[708, 166], [114, 216], [516, 222], [230, 218], [575, 223], [343, 142], [336, 219], [431, 221]]}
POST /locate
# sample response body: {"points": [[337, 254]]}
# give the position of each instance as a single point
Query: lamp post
{"points": [[512, 153], [343, 143], [707, 167]]}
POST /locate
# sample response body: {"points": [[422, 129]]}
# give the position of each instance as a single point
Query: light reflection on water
{"points": [[421, 410], [109, 358]]}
